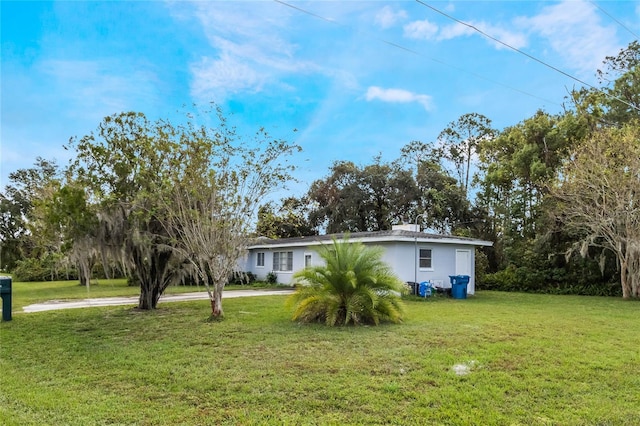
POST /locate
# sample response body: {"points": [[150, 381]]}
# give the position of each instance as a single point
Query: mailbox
{"points": [[5, 293]]}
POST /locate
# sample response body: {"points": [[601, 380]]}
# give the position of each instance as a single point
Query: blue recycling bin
{"points": [[425, 289], [459, 286]]}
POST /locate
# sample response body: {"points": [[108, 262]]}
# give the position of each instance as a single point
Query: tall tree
{"points": [[440, 199], [25, 187], [354, 199], [390, 194], [288, 220], [517, 166], [416, 152], [460, 142], [175, 200], [125, 167], [64, 217], [337, 200], [617, 100], [621, 79], [212, 203], [599, 198]]}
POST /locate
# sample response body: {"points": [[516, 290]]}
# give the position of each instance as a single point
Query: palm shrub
{"points": [[355, 286]]}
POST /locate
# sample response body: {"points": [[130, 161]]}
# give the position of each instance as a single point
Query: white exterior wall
{"points": [[402, 256], [249, 263]]}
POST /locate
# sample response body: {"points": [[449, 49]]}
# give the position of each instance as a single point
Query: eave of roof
{"points": [[368, 237]]}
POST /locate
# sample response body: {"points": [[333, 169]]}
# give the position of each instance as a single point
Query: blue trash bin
{"points": [[425, 289], [459, 286]]}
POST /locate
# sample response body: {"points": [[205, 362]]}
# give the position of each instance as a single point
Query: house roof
{"points": [[367, 237]]}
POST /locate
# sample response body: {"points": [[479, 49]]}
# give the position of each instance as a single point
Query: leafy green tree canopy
{"points": [[617, 101], [461, 140], [356, 199], [25, 188], [287, 221], [175, 200]]}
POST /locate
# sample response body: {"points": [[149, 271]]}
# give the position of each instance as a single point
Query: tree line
{"points": [[154, 201], [558, 194], [158, 202]]}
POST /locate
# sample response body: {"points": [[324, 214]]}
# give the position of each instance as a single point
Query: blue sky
{"points": [[356, 79]]}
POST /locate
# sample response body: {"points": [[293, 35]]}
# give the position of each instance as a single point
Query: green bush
{"points": [[272, 278], [576, 281], [46, 268]]}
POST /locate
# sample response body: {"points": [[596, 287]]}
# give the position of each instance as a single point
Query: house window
{"points": [[425, 259], [307, 260], [283, 261], [260, 259]]}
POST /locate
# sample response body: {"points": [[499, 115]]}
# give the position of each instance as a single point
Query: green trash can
{"points": [[459, 286], [5, 293]]}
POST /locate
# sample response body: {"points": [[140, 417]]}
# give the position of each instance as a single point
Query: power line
{"points": [[613, 18], [503, 43], [307, 12], [525, 54], [398, 46]]}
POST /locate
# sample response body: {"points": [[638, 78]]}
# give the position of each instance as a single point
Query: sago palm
{"points": [[354, 286]]}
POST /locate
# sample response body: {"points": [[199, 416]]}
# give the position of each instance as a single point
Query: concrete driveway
{"points": [[53, 305]]}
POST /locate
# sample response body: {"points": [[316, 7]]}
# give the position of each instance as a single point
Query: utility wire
{"points": [[398, 46], [503, 43], [526, 54], [613, 18], [307, 12]]}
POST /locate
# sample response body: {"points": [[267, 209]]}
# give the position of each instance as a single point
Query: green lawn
{"points": [[531, 360]]}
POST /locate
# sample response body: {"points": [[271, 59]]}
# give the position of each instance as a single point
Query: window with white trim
{"points": [[307, 260], [260, 259], [425, 260], [283, 261]]}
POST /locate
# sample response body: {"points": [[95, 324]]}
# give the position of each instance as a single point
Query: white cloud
{"points": [[398, 96], [99, 88], [421, 30], [513, 39], [250, 50], [223, 76], [455, 30], [425, 30], [387, 17], [573, 30]]}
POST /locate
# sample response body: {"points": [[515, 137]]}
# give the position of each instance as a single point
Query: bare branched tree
{"points": [[599, 199], [212, 205]]}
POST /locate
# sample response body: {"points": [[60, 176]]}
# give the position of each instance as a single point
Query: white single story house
{"points": [[414, 256]]}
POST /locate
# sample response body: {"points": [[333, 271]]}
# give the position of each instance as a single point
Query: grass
{"points": [[530, 359]]}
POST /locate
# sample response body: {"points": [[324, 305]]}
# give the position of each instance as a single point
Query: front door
{"points": [[463, 262]]}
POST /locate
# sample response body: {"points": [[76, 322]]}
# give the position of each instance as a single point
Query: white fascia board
{"points": [[385, 239], [281, 245]]}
